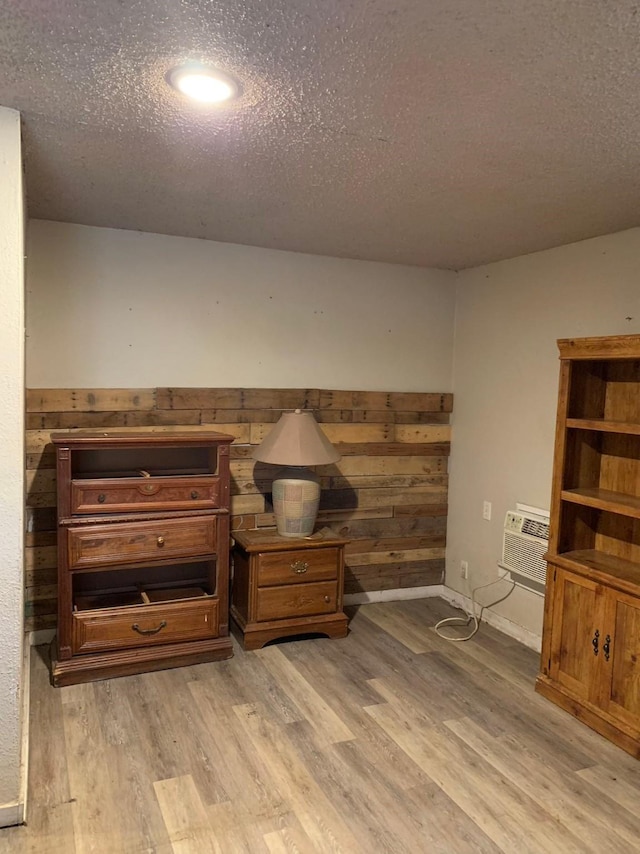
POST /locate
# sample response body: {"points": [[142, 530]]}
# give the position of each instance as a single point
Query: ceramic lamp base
{"points": [[296, 498]]}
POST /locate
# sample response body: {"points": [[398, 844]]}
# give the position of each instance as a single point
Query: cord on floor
{"points": [[472, 617]]}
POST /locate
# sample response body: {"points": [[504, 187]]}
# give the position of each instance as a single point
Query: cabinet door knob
{"points": [[160, 542], [102, 498], [299, 566], [327, 598], [136, 628]]}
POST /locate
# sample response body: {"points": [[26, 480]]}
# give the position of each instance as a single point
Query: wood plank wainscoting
{"points": [[387, 495]]}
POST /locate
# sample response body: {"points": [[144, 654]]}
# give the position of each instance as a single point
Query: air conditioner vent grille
{"points": [[524, 556], [535, 529], [524, 544]]}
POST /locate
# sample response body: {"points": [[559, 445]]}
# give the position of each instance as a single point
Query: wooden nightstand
{"points": [[284, 586]]}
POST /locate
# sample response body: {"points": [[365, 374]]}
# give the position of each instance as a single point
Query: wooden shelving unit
{"points": [[591, 641]]}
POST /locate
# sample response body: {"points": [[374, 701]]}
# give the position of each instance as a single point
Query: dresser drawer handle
{"points": [[102, 498], [194, 494], [299, 566], [136, 628], [160, 542], [327, 598]]}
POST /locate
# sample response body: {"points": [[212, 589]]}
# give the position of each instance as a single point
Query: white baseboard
{"points": [[458, 600], [396, 595], [11, 814], [507, 627], [41, 636], [26, 719], [15, 812]]}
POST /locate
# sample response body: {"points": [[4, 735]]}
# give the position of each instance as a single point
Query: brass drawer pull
{"points": [[299, 566], [606, 647], [194, 494], [136, 628], [102, 498], [160, 542]]}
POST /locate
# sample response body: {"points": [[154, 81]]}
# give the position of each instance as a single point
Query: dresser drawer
{"points": [[115, 495], [118, 628], [132, 542], [296, 600], [296, 566]]}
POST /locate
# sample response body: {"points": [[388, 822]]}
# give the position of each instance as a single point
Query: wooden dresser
{"points": [[143, 552], [284, 586], [591, 640]]}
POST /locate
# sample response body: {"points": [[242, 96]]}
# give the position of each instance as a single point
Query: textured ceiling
{"points": [[443, 133]]}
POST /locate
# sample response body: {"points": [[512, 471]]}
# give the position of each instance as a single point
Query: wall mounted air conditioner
{"points": [[525, 540]]}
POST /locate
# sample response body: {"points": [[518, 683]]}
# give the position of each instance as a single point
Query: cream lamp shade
{"points": [[296, 441]]}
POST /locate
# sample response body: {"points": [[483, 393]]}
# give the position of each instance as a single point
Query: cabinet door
{"points": [[577, 636], [621, 679]]}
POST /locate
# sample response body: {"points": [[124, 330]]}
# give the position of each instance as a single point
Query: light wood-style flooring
{"points": [[391, 740]]}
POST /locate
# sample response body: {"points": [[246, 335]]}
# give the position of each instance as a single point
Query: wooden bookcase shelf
{"points": [[591, 641], [604, 499], [602, 426]]}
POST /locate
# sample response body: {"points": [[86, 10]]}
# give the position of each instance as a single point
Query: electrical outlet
{"points": [[486, 510], [464, 569]]}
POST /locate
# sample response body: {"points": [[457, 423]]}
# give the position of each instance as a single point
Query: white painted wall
{"points": [[112, 308], [508, 317], [119, 308], [11, 460]]}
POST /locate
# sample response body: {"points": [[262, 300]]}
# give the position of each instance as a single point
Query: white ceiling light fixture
{"points": [[203, 83]]}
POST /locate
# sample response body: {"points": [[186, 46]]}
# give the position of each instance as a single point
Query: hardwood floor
{"points": [[391, 740]]}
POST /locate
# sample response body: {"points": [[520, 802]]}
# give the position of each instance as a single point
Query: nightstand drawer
{"points": [[117, 628], [117, 495], [297, 566], [132, 542], [296, 600]]}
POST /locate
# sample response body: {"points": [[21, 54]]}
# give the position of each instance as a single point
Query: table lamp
{"points": [[295, 442]]}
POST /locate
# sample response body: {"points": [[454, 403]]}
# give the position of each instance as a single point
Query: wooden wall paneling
{"points": [[236, 398], [41, 480], [366, 527], [327, 416], [41, 557], [397, 556], [422, 433], [390, 448], [387, 494], [337, 433], [386, 400], [40, 519], [387, 465], [40, 460], [393, 576], [89, 400], [127, 419]]}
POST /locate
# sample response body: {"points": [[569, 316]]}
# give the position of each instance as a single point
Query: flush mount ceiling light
{"points": [[204, 84]]}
